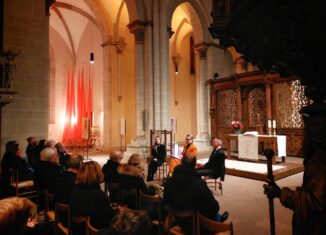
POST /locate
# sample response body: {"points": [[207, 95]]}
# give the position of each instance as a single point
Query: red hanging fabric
{"points": [[79, 112], [89, 97], [65, 135], [73, 109]]}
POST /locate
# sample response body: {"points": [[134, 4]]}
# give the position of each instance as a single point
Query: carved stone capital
{"points": [[137, 28], [202, 48]]}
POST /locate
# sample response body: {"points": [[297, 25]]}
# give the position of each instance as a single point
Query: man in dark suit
{"points": [[215, 167]]}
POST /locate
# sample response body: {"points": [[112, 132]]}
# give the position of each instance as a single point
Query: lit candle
{"points": [[269, 124], [274, 123]]}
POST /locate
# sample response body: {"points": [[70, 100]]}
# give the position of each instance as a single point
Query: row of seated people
{"points": [[18, 216]]}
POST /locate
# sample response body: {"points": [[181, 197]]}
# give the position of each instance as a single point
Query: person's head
{"points": [[16, 214], [116, 156], [89, 173], [60, 147], [189, 139], [50, 144], [12, 146], [50, 155], [41, 144], [74, 161], [157, 140], [135, 160], [31, 140], [130, 222], [216, 142], [189, 161]]}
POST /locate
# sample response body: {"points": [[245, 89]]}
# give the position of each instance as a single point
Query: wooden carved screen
{"points": [[226, 111], [289, 99], [256, 108]]}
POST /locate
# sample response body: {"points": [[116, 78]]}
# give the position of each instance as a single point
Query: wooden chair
{"points": [[156, 201], [219, 183], [23, 188], [162, 170], [62, 208], [180, 214], [90, 229], [49, 199], [130, 192], [213, 227]]}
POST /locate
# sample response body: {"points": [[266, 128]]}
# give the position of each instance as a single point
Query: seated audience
{"points": [[215, 167], [11, 160], [48, 170], [158, 158], [132, 177], [110, 167], [36, 154], [185, 190], [130, 222], [32, 143], [18, 216], [50, 144], [87, 199], [63, 155], [65, 183]]}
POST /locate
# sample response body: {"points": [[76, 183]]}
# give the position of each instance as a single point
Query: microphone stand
{"points": [[269, 153]]}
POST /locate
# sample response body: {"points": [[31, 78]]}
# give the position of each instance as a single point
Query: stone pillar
{"points": [[156, 66], [202, 93], [138, 28], [164, 67], [120, 46]]}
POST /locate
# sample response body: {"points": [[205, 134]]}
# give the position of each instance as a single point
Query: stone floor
{"points": [[247, 205]]}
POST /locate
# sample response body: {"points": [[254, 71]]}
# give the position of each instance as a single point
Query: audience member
{"points": [[11, 160], [132, 176], [63, 155], [32, 143], [158, 158], [215, 167], [16, 214], [48, 170], [36, 154], [185, 190], [130, 222], [87, 199], [65, 183], [50, 144], [109, 169]]}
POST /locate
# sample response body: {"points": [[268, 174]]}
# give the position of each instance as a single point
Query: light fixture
{"points": [[92, 58], [176, 69]]}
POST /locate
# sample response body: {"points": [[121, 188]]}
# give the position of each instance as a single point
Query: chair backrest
{"points": [[152, 199], [184, 214], [62, 208], [134, 192], [213, 226], [49, 198], [14, 176], [90, 228]]}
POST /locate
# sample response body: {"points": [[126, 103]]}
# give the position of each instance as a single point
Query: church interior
{"points": [[111, 81]]}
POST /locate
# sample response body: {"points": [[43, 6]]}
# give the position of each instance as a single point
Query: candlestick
{"points": [[274, 123], [269, 124]]}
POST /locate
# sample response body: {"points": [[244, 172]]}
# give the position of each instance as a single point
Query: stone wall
{"points": [[26, 29]]}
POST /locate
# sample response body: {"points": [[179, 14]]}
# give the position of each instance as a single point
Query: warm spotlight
{"points": [[92, 58]]}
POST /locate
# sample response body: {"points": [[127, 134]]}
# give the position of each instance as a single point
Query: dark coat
{"points": [[159, 154], [90, 200], [63, 187], [216, 163], [45, 175], [308, 202], [185, 190], [12, 161], [133, 177], [110, 172]]}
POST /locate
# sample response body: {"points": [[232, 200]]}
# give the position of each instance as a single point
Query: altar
{"points": [[248, 146]]}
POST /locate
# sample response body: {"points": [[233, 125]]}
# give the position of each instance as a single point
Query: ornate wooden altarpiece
{"points": [[255, 97]]}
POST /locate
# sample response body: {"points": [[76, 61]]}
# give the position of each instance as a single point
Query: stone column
{"points": [[164, 67], [138, 28], [120, 46], [202, 138]]}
